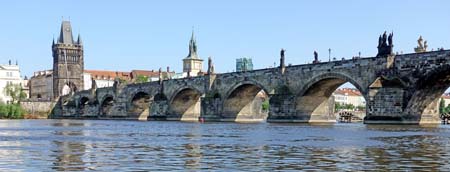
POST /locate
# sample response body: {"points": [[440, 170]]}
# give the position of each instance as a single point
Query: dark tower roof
{"points": [[65, 36], [192, 48]]}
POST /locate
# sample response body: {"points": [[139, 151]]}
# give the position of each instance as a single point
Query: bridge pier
{"points": [[211, 108], [158, 110], [391, 103], [283, 109]]}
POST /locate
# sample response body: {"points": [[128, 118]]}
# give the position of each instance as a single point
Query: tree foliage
{"points": [[141, 79], [340, 106], [265, 105], [442, 108], [14, 91], [11, 111]]}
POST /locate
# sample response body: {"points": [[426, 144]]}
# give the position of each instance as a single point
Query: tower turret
{"points": [[79, 42]]}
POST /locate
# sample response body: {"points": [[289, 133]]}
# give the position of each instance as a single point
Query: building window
{"points": [[244, 64]]}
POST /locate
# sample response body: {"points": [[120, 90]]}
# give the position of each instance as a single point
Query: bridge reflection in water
{"points": [[399, 89]]}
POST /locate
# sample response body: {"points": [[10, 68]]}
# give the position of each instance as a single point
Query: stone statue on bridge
{"points": [[390, 39], [93, 84], [282, 64], [160, 75], [421, 46], [316, 57], [385, 44], [116, 84], [210, 66], [384, 39]]}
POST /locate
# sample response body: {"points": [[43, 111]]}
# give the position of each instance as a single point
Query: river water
{"points": [[72, 145]]}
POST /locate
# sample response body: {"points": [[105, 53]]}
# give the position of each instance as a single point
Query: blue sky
{"points": [[125, 35]]}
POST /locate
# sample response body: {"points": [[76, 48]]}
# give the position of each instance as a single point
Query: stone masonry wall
{"points": [[41, 109]]}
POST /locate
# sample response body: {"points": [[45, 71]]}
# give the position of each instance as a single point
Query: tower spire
{"points": [[79, 39], [192, 47], [192, 64], [65, 36]]}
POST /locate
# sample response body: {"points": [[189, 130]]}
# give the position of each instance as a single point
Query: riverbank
{"points": [[11, 111]]}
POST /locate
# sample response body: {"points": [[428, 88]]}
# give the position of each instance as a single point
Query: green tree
{"points": [[265, 105], [11, 111], [350, 107], [141, 79], [361, 107], [442, 108], [337, 106], [122, 81], [14, 91]]}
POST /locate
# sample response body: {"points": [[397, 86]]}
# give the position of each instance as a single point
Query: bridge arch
{"points": [[423, 106], [185, 104], [312, 102], [139, 105], [106, 106], [244, 101]]}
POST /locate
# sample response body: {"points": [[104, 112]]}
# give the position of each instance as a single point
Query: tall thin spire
{"points": [[192, 47], [79, 39]]}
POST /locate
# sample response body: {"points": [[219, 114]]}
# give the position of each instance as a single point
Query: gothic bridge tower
{"points": [[68, 62], [192, 64]]}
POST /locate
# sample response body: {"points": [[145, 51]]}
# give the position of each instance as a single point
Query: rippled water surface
{"points": [[71, 145]]}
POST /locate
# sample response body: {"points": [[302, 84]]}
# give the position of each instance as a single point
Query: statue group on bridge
{"points": [[421, 46], [385, 45]]}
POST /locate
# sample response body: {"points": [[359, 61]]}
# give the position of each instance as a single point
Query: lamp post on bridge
{"points": [[329, 54]]}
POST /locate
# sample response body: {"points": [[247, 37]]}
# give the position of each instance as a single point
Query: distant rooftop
{"points": [[348, 92]]}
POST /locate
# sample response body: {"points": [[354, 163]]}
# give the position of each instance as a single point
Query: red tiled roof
{"points": [[110, 75], [152, 73], [348, 92], [446, 96]]}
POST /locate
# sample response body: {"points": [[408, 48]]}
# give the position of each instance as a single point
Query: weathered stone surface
{"points": [[398, 89], [39, 108]]}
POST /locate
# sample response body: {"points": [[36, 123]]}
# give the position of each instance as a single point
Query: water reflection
{"points": [[75, 145], [68, 154], [193, 155]]}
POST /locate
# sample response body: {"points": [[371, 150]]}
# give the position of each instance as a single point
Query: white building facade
{"points": [[349, 96], [9, 74]]}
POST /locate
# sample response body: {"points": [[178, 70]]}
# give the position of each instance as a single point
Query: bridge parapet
{"points": [[422, 61]]}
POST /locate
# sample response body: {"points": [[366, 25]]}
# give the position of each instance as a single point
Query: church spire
{"points": [[192, 47], [65, 36], [79, 42]]}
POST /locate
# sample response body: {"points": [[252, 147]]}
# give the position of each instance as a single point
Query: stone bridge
{"points": [[400, 89]]}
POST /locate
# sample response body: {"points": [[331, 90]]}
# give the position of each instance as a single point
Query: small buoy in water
{"points": [[201, 119]]}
